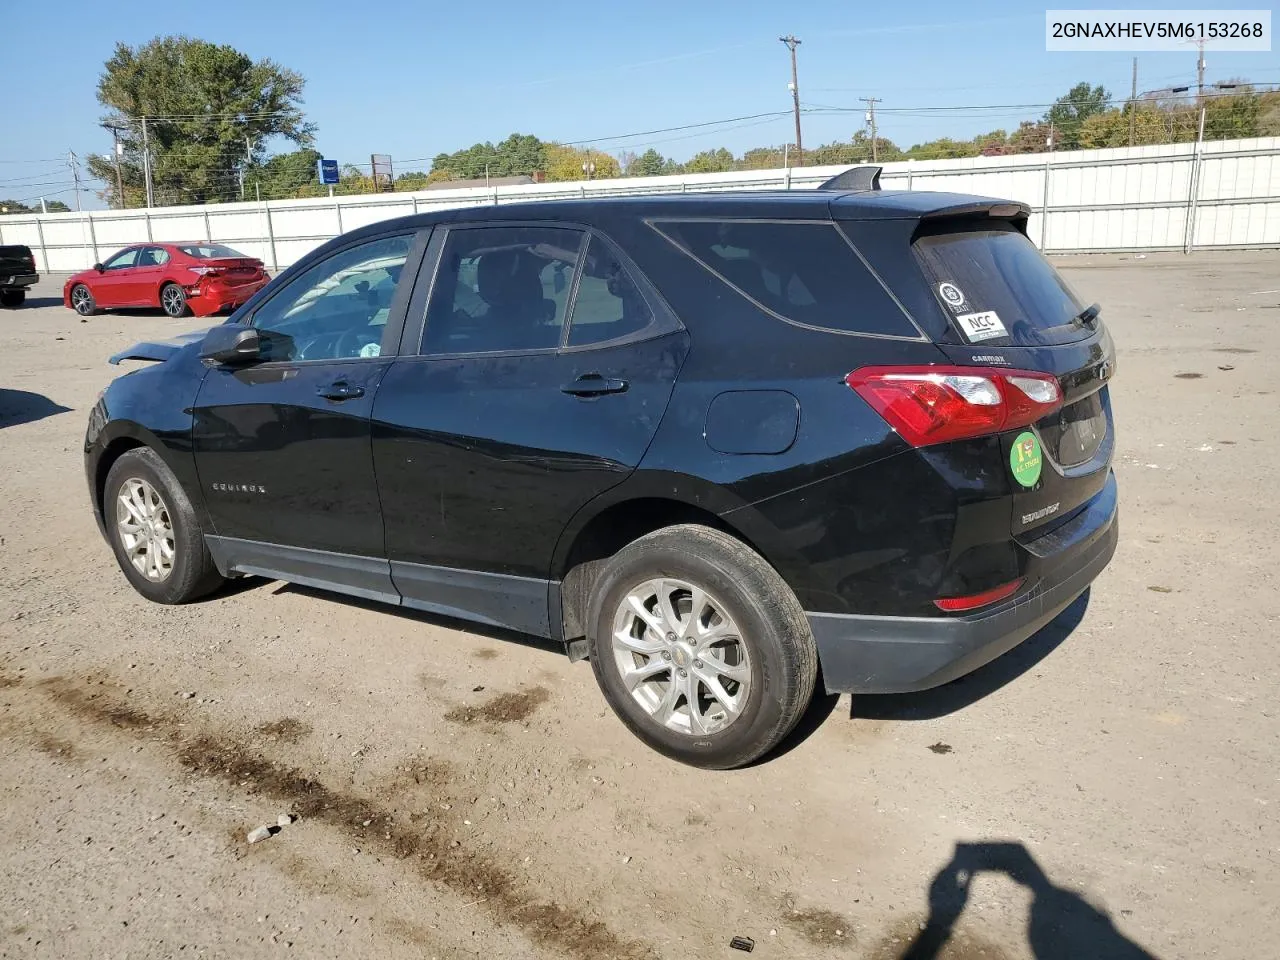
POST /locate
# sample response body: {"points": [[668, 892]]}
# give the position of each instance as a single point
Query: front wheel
{"points": [[82, 301], [12, 298], [173, 300], [154, 531], [700, 648]]}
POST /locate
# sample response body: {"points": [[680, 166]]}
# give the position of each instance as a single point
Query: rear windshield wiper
{"points": [[1087, 317]]}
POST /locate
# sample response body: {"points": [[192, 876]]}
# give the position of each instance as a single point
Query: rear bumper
{"points": [[12, 281], [868, 654], [212, 299]]}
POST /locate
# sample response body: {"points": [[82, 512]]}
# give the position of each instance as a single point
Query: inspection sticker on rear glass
{"points": [[981, 326]]}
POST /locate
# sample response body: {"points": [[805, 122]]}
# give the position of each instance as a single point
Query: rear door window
{"points": [[501, 289], [995, 285], [803, 272]]}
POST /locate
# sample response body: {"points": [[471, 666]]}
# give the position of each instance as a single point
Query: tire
{"points": [[173, 301], [12, 298], [183, 568], [774, 651], [82, 301]]}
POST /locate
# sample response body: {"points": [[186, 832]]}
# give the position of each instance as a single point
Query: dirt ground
{"points": [[1109, 789]]}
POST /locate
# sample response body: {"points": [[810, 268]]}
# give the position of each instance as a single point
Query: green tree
{"points": [[57, 206], [564, 163], [201, 101], [13, 206], [1032, 136], [1111, 129], [710, 161], [286, 175], [1071, 110], [1232, 117], [649, 164], [520, 154], [944, 148]]}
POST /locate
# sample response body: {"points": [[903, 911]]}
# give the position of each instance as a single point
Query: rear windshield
{"points": [[18, 252], [995, 285], [802, 272], [209, 251]]}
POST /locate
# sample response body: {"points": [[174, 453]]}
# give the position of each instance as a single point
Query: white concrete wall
{"points": [[1137, 198]]}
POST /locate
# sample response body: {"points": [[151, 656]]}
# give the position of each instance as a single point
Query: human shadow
{"points": [[20, 406], [1062, 925], [958, 694]]}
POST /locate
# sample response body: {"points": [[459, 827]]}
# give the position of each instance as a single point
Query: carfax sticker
{"points": [[981, 326]]}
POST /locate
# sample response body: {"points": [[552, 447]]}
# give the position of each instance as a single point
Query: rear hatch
{"points": [[16, 260], [1002, 304]]}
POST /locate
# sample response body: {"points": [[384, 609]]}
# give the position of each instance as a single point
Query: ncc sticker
{"points": [[981, 326], [951, 295], [1025, 460]]}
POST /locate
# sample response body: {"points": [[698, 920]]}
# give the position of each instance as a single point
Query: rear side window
{"points": [[608, 304], [995, 285], [801, 272]]}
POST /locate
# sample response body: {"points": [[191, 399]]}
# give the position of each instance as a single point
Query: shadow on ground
{"points": [[41, 302], [421, 616], [1062, 925], [19, 406], [940, 701]]}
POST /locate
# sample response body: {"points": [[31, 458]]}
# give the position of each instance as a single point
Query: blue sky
{"points": [[412, 79]]}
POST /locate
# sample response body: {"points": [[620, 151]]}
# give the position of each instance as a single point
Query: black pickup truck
{"points": [[17, 272]]}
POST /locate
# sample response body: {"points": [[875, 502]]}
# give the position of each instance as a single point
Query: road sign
{"points": [[328, 171]]}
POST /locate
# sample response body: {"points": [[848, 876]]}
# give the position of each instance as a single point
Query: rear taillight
{"points": [[975, 600], [935, 404], [206, 271]]}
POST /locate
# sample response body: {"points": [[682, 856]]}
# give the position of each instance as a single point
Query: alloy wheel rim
{"points": [[681, 656], [80, 300], [172, 301], [146, 529]]}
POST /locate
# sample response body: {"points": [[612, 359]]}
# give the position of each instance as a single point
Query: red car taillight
{"points": [[975, 600], [206, 271], [935, 404]]}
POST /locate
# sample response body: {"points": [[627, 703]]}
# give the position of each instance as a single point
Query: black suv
{"points": [[17, 272], [721, 445]]}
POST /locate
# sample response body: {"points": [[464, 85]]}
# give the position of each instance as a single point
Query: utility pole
{"points": [[114, 127], [146, 163], [792, 42], [248, 159], [44, 207], [1133, 101], [74, 163], [1200, 71], [871, 119]]}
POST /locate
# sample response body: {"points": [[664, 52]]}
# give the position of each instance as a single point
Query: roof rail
{"points": [[855, 179]]}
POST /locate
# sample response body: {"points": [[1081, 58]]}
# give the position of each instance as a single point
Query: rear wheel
{"points": [[82, 301], [700, 647], [173, 300], [12, 298], [155, 533]]}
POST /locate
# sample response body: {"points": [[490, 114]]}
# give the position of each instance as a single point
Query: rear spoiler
{"points": [[862, 179]]}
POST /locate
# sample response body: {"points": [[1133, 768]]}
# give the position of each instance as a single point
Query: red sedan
{"points": [[179, 278]]}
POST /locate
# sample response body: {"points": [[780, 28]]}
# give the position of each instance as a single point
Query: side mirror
{"points": [[231, 343], [99, 267]]}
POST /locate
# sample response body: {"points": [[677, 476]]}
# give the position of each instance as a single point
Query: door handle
{"points": [[340, 390], [593, 385]]}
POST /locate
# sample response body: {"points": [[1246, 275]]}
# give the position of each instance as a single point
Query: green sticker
{"points": [[1024, 459]]}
